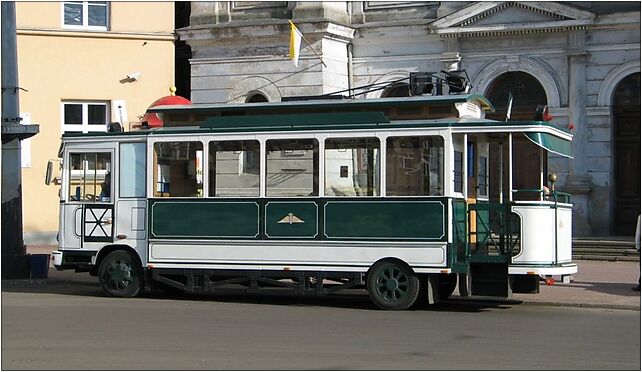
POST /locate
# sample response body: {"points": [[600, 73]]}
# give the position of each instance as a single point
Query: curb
{"points": [[587, 305], [517, 301]]}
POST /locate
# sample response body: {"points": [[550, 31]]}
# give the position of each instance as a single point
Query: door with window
{"points": [[130, 219], [88, 208]]}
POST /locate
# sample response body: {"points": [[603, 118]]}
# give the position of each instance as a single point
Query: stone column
{"points": [[578, 181]]}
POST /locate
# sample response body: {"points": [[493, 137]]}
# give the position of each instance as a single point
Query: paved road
{"points": [[62, 325]]}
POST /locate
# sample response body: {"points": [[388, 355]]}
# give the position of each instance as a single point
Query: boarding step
{"points": [[605, 249]]}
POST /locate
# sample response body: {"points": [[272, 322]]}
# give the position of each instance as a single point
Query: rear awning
{"points": [[551, 143]]}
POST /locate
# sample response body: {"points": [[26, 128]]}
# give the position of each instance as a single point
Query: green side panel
{"points": [[200, 219], [460, 231], [291, 219], [483, 223], [385, 220], [295, 121], [551, 143]]}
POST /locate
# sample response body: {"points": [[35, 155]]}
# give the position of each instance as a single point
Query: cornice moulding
{"points": [[514, 29], [96, 34], [276, 29]]}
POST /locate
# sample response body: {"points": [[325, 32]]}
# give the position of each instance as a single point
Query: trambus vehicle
{"points": [[406, 197]]}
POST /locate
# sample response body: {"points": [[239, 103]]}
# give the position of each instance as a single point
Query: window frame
{"points": [[151, 169], [444, 155], [378, 173], [85, 13], [208, 170], [84, 127], [293, 156], [68, 176]]}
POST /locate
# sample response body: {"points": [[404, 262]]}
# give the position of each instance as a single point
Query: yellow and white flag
{"points": [[295, 43]]}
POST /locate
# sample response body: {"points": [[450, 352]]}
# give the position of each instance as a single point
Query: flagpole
{"points": [[307, 42], [510, 106]]}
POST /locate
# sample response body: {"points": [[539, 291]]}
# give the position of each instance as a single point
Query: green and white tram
{"points": [[311, 197]]}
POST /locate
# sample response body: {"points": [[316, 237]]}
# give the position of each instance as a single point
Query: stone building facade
{"points": [[582, 59]]}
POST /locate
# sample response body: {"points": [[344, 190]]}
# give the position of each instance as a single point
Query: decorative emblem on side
{"points": [[291, 218]]}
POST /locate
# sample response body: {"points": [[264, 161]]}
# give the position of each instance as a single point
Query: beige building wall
{"points": [[57, 64]]}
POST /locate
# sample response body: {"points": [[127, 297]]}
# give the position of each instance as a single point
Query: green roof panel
{"points": [[295, 121], [551, 143]]}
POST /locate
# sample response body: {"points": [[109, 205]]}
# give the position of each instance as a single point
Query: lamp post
{"points": [[15, 262]]}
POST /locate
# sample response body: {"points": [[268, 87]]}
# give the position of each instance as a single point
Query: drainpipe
{"points": [[350, 71]]}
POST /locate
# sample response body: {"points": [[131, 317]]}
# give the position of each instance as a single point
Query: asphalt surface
{"points": [[65, 322], [600, 284]]}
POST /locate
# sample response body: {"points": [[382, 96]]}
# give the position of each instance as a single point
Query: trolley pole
{"points": [[15, 263]]}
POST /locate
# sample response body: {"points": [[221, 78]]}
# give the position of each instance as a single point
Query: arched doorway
{"points": [[527, 93], [626, 155]]}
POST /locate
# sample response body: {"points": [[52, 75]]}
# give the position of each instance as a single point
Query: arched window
{"points": [[527, 93], [397, 90], [255, 98]]}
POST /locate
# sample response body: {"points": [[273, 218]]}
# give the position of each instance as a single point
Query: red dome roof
{"points": [[153, 121]]}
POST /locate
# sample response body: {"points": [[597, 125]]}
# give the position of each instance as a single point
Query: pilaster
{"points": [[578, 181], [335, 11]]}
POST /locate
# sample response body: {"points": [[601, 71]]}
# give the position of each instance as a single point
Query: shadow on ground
{"points": [[85, 285], [619, 289]]}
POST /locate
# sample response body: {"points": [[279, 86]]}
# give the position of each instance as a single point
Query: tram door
{"points": [[477, 186], [131, 205], [527, 93], [88, 208]]}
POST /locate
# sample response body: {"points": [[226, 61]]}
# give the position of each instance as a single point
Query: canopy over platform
{"points": [[551, 143]]}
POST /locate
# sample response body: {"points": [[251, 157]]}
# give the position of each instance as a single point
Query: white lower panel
{"points": [[543, 270], [57, 258], [545, 234], [262, 255]]}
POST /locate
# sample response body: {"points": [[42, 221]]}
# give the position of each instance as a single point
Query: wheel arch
{"points": [[395, 259], [106, 250]]}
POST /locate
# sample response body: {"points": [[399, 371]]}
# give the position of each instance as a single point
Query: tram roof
{"points": [[335, 121], [326, 104], [541, 133]]}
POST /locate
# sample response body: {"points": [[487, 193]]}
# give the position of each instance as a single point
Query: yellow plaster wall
{"points": [[56, 66], [125, 16]]}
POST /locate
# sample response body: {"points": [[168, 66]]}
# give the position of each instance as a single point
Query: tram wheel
{"points": [[447, 284], [120, 275], [392, 285]]}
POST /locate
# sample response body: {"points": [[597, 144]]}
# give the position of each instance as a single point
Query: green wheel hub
{"points": [[392, 284], [119, 275]]}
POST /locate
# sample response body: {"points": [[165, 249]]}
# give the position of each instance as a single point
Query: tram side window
{"points": [[133, 161], [415, 166], [483, 176], [90, 177], [178, 169], [292, 167], [352, 167], [458, 175], [234, 168]]}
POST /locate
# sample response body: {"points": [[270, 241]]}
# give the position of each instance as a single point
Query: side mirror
{"points": [[49, 173]]}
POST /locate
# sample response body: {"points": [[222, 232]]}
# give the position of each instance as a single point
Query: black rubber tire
{"points": [[120, 275], [392, 285], [447, 284]]}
